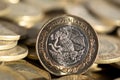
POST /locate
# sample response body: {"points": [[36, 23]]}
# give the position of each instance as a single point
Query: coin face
{"points": [[7, 44], [75, 77], [66, 45], [6, 34], [16, 53], [84, 13], [103, 9], [28, 70], [109, 51], [6, 73], [14, 27]]}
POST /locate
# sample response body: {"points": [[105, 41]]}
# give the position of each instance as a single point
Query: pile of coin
{"points": [[80, 42]]}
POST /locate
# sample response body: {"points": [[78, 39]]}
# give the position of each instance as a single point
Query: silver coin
{"points": [[6, 73], [106, 11], [6, 34], [81, 11], [16, 53], [109, 51], [28, 70], [7, 44], [66, 45]]}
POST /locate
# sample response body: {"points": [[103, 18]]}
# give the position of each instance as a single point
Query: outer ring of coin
{"points": [[86, 59]]}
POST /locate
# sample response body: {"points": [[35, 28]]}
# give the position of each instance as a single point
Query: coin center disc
{"points": [[67, 45]]}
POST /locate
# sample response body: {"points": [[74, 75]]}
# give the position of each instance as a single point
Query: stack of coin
{"points": [[9, 51]]}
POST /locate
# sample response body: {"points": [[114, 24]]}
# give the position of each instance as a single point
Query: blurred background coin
{"points": [[7, 44], [28, 70], [25, 15], [67, 45], [16, 53], [109, 50], [6, 73], [6, 34], [108, 13]]}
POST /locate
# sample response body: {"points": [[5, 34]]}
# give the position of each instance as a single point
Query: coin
{"points": [[75, 77], [6, 34], [66, 45], [109, 51], [16, 53], [28, 70], [32, 54], [4, 8], [81, 11], [25, 15], [118, 32], [106, 11], [14, 27], [7, 44], [6, 73]]}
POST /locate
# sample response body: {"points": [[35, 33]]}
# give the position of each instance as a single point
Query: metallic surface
{"points": [[67, 45], [16, 53], [28, 70], [109, 50], [32, 54], [7, 44], [6, 34], [6, 73], [118, 32]]}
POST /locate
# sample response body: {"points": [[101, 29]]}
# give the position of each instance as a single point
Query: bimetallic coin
{"points": [[67, 45], [4, 8], [81, 11], [16, 53], [74, 77], [107, 12], [6, 34], [7, 44], [6, 73], [32, 54], [109, 51], [28, 70], [14, 27], [24, 14]]}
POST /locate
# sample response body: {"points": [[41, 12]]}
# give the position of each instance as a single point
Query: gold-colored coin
{"points": [[80, 10], [16, 53], [32, 54], [109, 49], [4, 8], [6, 34], [109, 13], [7, 44], [24, 14], [14, 27], [28, 70], [6, 73], [75, 77]]}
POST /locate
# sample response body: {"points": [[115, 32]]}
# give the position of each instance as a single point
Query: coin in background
{"points": [[67, 45], [6, 34], [28, 70], [32, 54], [7, 44], [109, 50], [74, 77], [4, 8], [25, 15], [81, 11], [6, 73], [16, 53], [14, 27], [104, 10]]}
